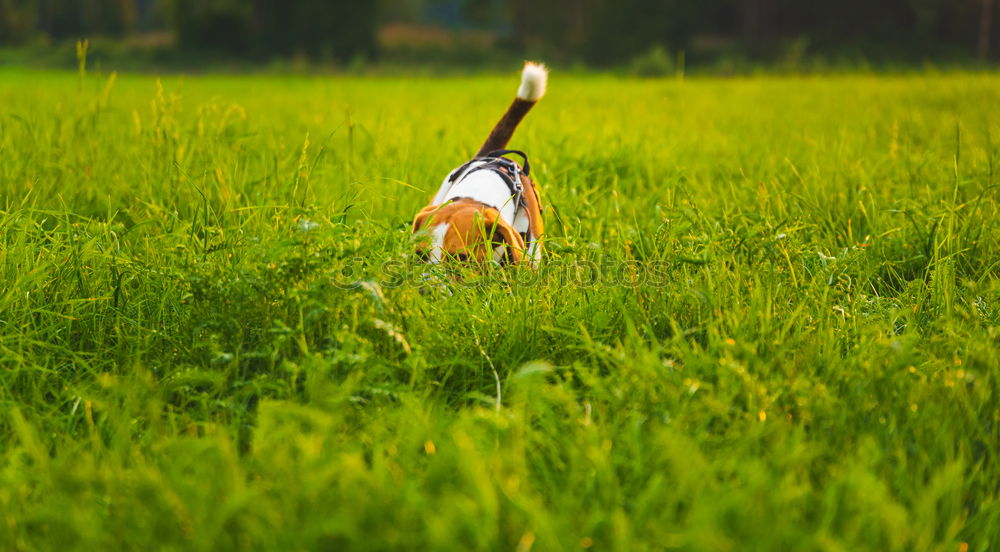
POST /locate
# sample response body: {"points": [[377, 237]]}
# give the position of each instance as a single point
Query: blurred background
{"points": [[646, 37]]}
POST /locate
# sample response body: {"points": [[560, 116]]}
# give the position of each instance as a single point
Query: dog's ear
{"points": [[502, 233], [422, 216]]}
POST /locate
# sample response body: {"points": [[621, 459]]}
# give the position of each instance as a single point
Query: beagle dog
{"points": [[489, 208]]}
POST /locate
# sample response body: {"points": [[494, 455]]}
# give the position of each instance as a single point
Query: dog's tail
{"points": [[533, 79]]}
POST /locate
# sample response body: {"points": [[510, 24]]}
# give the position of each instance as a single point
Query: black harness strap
{"points": [[493, 158], [498, 154], [508, 170]]}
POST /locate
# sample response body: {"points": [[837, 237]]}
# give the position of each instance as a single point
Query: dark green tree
{"points": [[224, 25], [316, 28], [18, 20]]}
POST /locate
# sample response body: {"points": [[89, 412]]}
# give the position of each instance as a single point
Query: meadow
{"points": [[768, 317]]}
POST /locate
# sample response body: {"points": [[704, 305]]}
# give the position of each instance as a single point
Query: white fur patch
{"points": [[437, 242], [446, 185], [487, 188], [533, 79]]}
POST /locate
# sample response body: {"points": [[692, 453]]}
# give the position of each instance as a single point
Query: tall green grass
{"points": [[768, 317]]}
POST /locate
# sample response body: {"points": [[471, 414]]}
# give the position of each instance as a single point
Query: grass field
{"points": [[768, 317]]}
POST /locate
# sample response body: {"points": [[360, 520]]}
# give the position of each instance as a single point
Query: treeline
{"points": [[248, 28], [317, 28], [597, 32], [23, 20], [611, 31]]}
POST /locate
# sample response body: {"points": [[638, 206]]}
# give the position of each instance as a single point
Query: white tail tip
{"points": [[533, 79]]}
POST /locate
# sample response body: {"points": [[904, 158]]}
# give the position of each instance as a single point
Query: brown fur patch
{"points": [[474, 230], [504, 129]]}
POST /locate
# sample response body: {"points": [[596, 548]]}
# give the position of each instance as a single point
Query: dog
{"points": [[489, 208]]}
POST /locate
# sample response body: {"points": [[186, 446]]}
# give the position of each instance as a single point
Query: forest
{"points": [[595, 33]]}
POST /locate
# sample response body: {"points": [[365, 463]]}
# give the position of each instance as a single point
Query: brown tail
{"points": [[533, 80]]}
